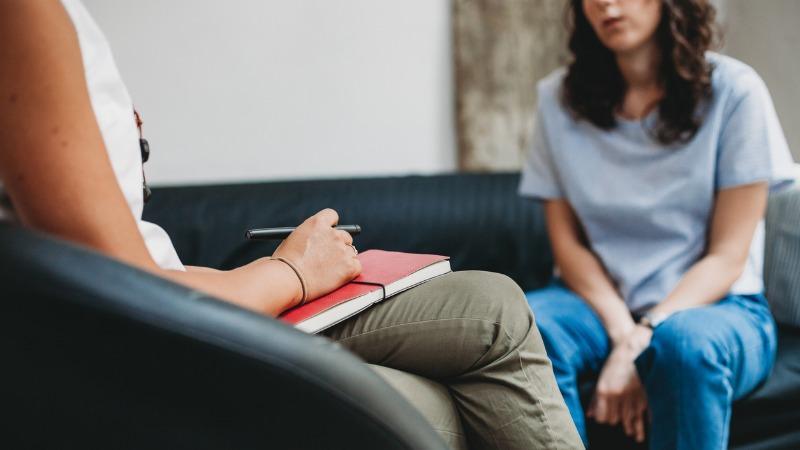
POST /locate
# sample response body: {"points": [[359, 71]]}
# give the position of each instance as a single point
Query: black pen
{"points": [[265, 234]]}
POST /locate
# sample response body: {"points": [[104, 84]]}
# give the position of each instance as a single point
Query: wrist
{"points": [[654, 318], [619, 331], [616, 318], [639, 339], [290, 281]]}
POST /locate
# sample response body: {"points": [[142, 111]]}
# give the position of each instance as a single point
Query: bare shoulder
{"points": [[33, 24], [53, 161], [38, 41]]}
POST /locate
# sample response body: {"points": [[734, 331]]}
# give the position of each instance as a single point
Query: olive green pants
{"points": [[464, 349]]}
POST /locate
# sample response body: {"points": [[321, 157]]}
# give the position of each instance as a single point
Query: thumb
{"points": [[327, 217]]}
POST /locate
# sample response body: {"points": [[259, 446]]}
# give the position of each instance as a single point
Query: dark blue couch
{"points": [[476, 219]]}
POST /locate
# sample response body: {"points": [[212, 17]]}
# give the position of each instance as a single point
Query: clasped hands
{"points": [[619, 395]]}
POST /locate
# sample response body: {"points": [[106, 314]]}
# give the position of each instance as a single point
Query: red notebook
{"points": [[383, 275]]}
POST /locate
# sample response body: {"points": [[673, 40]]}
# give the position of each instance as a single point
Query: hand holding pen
{"points": [[321, 255]]}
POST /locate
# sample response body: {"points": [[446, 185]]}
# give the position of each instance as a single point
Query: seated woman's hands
{"points": [[619, 395], [324, 255]]}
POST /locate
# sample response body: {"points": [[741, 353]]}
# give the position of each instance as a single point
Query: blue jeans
{"points": [[699, 361]]}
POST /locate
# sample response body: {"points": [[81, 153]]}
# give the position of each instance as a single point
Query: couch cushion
{"points": [[782, 257]]}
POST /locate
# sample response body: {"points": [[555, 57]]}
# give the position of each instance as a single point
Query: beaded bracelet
{"points": [[299, 277]]}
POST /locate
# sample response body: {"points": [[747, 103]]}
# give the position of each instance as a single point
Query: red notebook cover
{"points": [[379, 268]]}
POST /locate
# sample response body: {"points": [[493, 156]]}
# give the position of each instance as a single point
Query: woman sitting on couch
{"points": [[654, 158], [71, 166]]}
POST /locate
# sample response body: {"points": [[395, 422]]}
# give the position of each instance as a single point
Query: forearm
{"points": [[265, 286], [706, 282], [737, 213], [583, 273]]}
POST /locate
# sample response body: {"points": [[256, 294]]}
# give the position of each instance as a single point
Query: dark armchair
{"points": [[97, 354]]}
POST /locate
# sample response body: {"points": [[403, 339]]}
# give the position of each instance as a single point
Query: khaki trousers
{"points": [[466, 343]]}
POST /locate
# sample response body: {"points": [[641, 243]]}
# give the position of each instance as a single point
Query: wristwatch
{"points": [[652, 320]]}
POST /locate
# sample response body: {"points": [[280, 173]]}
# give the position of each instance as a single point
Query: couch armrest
{"points": [[782, 256]]}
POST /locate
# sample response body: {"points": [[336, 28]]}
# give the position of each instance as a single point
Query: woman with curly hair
{"points": [[654, 158]]}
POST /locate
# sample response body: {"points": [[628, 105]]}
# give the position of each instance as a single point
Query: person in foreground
{"points": [[71, 166], [653, 158]]}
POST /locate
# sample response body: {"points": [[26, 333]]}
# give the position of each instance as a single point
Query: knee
{"points": [[685, 346], [497, 299], [554, 305]]}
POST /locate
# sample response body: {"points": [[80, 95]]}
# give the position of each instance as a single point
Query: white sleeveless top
{"points": [[113, 109]]}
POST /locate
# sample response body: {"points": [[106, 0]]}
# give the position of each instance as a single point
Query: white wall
{"points": [[275, 89], [766, 35]]}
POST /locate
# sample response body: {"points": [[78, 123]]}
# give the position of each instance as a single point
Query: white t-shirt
{"points": [[113, 110]]}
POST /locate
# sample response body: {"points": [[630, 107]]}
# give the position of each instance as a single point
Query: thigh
{"points": [[571, 330], [440, 329], [736, 335], [431, 399]]}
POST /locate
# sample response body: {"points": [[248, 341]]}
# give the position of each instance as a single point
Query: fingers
{"points": [[344, 236], [351, 264], [612, 412], [643, 411], [606, 408], [634, 416], [354, 263], [326, 217], [600, 409], [639, 428], [356, 267], [630, 415]]}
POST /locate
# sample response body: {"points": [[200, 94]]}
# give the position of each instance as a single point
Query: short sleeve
{"points": [[539, 178], [752, 146]]}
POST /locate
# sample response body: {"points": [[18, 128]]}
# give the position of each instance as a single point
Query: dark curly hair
{"points": [[594, 88]]}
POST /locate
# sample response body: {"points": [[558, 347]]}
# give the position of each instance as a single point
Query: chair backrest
{"points": [[97, 354]]}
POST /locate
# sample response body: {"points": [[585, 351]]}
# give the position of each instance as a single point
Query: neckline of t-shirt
{"points": [[636, 123]]}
